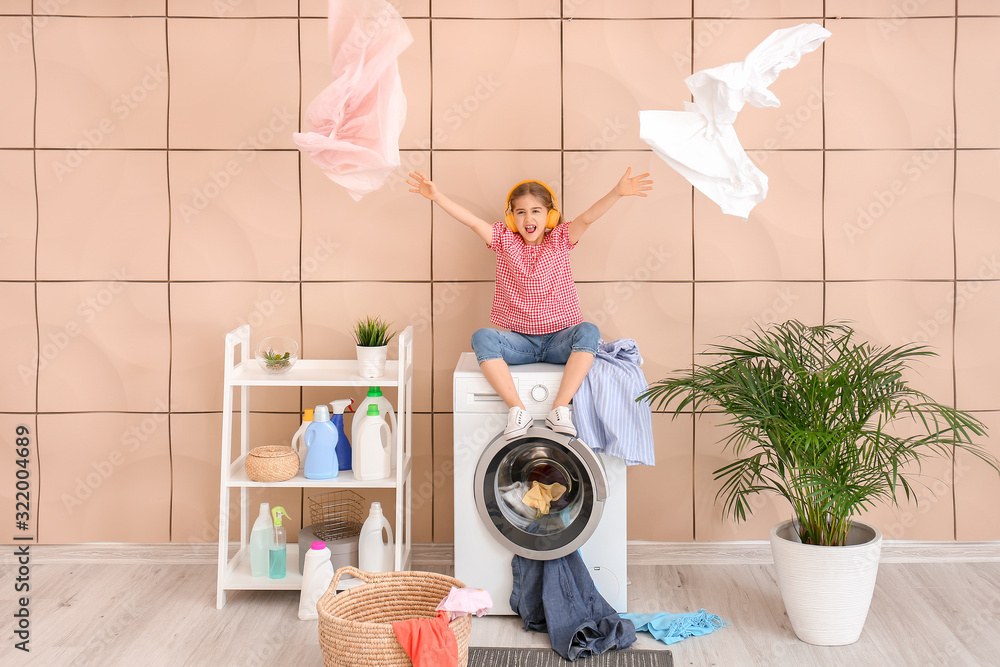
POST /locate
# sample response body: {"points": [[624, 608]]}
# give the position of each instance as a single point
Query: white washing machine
{"points": [[491, 524]]}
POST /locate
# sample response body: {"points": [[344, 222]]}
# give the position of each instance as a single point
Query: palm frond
{"points": [[813, 415]]}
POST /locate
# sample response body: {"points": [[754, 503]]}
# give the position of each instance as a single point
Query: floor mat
{"points": [[544, 657]]}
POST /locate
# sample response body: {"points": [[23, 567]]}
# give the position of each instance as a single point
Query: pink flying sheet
{"points": [[355, 122]]}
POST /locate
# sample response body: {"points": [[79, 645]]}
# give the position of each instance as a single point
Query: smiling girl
{"points": [[534, 298]]}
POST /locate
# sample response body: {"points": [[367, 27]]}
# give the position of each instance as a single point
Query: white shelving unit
{"points": [[244, 372]]}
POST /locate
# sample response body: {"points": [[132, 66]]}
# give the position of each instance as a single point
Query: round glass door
{"points": [[541, 496]]}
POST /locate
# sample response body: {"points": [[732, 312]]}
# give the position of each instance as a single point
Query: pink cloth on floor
{"points": [[429, 642], [462, 601], [357, 119]]}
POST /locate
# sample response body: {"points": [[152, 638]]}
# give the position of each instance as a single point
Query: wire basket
{"points": [[336, 514]]}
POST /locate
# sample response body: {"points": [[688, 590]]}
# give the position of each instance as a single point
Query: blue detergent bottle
{"points": [[321, 439], [343, 444]]}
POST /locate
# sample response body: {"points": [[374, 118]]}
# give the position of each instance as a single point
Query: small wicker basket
{"points": [[271, 463], [355, 626]]}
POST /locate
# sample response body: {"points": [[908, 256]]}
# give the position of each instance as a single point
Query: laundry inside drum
{"points": [[538, 484]]}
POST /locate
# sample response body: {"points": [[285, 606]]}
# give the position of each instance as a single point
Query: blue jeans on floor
{"points": [[559, 597], [517, 348]]}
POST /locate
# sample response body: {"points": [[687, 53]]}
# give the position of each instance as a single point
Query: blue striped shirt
{"points": [[605, 412]]}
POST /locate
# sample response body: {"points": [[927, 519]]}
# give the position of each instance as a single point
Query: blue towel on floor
{"points": [[671, 628]]}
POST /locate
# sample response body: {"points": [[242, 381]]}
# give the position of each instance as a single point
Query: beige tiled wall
{"points": [[151, 200]]}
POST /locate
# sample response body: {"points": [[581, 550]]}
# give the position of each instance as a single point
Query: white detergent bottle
{"points": [[374, 553], [298, 440], [260, 542], [372, 447], [317, 573], [375, 396]]}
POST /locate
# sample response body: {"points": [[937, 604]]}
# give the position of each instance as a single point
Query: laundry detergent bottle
{"points": [[385, 407], [372, 447], [321, 440], [317, 573], [277, 554], [343, 444], [260, 541], [299, 439], [374, 553]]}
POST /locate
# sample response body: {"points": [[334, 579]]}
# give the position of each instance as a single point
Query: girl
{"points": [[534, 297]]}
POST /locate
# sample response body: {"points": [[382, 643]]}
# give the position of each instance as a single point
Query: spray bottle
{"points": [[276, 560], [260, 541], [343, 444]]}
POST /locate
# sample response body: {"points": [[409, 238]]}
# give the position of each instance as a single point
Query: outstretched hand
{"points": [[633, 185], [422, 185]]}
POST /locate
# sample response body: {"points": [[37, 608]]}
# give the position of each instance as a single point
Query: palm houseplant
{"points": [[829, 423], [372, 336]]}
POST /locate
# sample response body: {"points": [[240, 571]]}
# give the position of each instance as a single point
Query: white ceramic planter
{"points": [[827, 590], [372, 360]]}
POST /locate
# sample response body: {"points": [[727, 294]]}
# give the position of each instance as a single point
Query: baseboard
{"points": [[438, 555]]}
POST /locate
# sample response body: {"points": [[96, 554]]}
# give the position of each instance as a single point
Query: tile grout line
{"points": [[822, 192], [430, 169], [170, 325], [302, 324], [954, 268], [694, 311], [38, 321]]}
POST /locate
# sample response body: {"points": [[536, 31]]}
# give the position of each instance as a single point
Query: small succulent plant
{"points": [[275, 360]]}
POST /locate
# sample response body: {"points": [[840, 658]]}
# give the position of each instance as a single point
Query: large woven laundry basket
{"points": [[355, 626]]}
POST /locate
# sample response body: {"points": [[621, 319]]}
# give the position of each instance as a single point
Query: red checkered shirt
{"points": [[534, 291]]}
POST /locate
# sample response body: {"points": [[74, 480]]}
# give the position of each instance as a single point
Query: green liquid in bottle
{"points": [[276, 562]]}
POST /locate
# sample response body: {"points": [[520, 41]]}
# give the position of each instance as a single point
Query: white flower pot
{"points": [[372, 361], [826, 590]]}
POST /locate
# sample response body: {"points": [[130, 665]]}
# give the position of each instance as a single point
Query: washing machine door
{"points": [[507, 471]]}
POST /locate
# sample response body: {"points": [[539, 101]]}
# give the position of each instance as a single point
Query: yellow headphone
{"points": [[551, 219]]}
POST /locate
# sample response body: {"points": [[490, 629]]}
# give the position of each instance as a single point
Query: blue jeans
{"points": [[559, 597], [517, 348]]}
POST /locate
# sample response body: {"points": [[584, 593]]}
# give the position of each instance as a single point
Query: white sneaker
{"points": [[559, 420], [518, 423]]}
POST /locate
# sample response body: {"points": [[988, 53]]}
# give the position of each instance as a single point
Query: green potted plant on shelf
{"points": [[372, 336], [815, 417]]}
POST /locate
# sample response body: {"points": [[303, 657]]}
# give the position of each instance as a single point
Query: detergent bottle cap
{"points": [[374, 391], [318, 545], [376, 508], [321, 413], [307, 415], [373, 410], [277, 513], [341, 405]]}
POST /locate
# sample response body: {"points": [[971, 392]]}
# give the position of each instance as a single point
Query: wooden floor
{"points": [[156, 606]]}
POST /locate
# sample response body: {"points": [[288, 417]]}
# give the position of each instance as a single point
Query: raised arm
{"points": [[628, 185], [424, 186]]}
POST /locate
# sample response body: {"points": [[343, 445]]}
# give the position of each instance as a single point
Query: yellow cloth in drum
{"points": [[541, 495]]}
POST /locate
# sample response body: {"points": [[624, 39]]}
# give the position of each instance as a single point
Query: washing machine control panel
{"points": [[539, 392]]}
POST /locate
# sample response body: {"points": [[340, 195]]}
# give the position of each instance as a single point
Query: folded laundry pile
{"points": [[559, 597], [672, 628], [430, 642]]}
